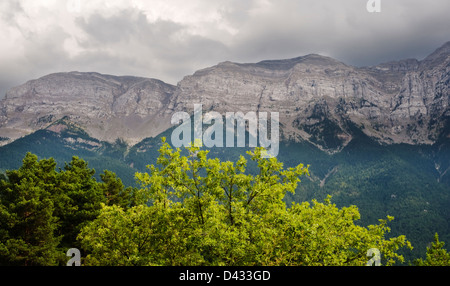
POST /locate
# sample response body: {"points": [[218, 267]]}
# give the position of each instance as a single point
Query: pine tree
{"points": [[27, 217], [114, 190], [79, 198]]}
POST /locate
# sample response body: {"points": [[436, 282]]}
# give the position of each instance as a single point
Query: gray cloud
{"points": [[169, 39], [128, 43], [345, 30]]}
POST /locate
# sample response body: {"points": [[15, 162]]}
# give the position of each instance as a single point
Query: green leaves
{"points": [[190, 210], [43, 210], [199, 211], [28, 224], [436, 255]]}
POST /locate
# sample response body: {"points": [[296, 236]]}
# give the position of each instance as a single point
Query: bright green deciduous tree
{"points": [[198, 211]]}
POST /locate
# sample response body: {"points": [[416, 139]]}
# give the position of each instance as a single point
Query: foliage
{"points": [[195, 210], [409, 182], [42, 210], [436, 255], [27, 230], [198, 211]]}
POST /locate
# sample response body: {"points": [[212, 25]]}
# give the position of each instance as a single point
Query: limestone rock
{"points": [[317, 98]]}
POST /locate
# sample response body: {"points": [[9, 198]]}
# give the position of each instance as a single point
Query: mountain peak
{"points": [[440, 54], [282, 64], [106, 106], [314, 95], [287, 64]]}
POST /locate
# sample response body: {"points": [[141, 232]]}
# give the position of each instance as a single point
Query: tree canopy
{"points": [[190, 210], [436, 255], [43, 209], [198, 211]]}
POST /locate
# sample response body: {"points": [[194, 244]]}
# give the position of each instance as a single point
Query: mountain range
{"points": [[404, 101], [377, 137]]}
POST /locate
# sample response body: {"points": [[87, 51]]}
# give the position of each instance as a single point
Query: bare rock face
{"points": [[107, 107], [318, 99]]}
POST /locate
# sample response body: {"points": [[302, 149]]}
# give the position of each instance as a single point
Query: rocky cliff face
{"points": [[107, 107], [317, 98]]}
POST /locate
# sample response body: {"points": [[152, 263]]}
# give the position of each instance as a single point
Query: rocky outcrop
{"points": [[317, 97], [397, 102], [107, 107]]}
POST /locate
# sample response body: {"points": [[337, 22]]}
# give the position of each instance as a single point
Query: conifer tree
{"points": [[114, 191], [27, 220], [80, 198]]}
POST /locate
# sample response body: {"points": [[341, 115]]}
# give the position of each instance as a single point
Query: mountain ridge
{"points": [[403, 101]]}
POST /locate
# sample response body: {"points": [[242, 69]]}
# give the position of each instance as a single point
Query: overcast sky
{"points": [[169, 39]]}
